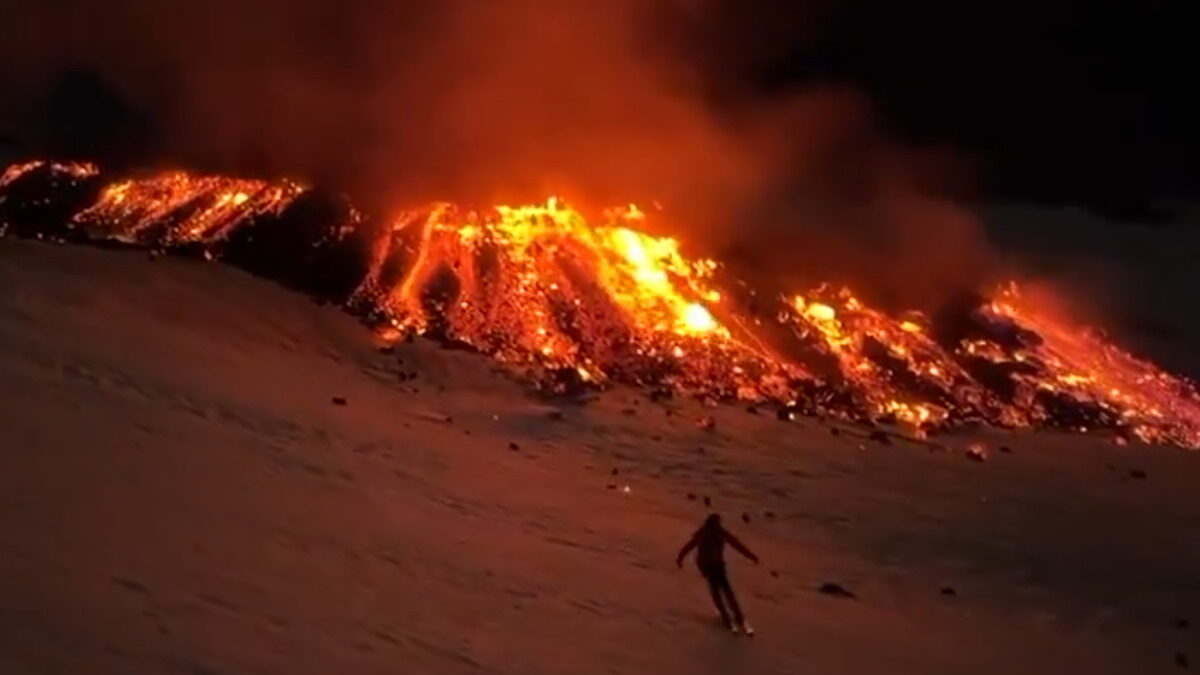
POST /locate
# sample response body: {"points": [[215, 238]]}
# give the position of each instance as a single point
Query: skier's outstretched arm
{"points": [[687, 548], [740, 547]]}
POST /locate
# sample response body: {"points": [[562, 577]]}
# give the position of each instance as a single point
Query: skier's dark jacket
{"points": [[709, 542]]}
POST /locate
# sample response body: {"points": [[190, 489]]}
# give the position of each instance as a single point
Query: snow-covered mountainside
{"points": [[205, 473]]}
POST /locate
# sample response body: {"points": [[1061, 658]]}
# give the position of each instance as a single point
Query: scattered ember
{"points": [[574, 305]]}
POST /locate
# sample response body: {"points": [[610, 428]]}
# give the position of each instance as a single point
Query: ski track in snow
{"points": [[180, 495]]}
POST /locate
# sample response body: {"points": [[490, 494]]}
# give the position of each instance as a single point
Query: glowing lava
{"points": [[77, 170], [1076, 363], [574, 304], [539, 285], [190, 208]]}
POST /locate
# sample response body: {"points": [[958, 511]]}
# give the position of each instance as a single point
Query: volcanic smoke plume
{"points": [[573, 303], [506, 102]]}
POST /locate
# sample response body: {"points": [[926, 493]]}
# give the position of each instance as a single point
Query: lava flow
{"points": [[77, 169], [573, 304], [541, 287], [189, 208]]}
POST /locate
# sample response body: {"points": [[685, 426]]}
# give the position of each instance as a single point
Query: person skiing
{"points": [[709, 542]]}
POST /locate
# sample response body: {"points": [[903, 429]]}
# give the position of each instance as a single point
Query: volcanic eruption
{"points": [[572, 303]]}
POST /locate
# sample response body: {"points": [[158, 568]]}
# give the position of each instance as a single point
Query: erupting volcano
{"points": [[573, 304]]}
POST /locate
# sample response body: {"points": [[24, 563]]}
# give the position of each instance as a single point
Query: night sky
{"points": [[1057, 101], [1048, 101]]}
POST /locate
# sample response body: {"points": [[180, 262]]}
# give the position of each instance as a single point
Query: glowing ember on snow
{"points": [[573, 303]]}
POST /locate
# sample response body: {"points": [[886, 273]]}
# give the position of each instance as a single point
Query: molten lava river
{"points": [[573, 304]]}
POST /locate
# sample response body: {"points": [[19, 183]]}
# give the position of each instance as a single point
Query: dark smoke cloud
{"points": [[604, 102]]}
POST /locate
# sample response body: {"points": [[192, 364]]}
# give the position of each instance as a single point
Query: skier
{"points": [[709, 542]]}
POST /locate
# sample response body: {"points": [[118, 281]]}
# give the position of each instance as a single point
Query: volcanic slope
{"points": [[205, 473]]}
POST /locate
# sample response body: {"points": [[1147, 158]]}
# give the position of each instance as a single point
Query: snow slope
{"points": [[179, 494]]}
